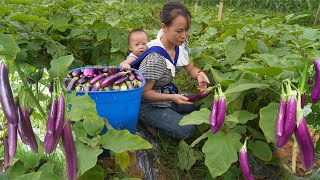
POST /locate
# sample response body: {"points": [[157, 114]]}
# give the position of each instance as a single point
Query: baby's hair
{"points": [[135, 31]]}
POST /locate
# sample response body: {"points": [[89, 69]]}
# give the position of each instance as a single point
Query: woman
{"points": [[161, 107]]}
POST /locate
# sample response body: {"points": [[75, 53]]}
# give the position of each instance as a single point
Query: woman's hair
{"points": [[173, 9], [135, 31]]}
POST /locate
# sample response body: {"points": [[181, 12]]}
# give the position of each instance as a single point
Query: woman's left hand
{"points": [[203, 81]]}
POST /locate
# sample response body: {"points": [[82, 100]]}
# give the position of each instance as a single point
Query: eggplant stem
{"points": [[23, 79], [294, 156]]}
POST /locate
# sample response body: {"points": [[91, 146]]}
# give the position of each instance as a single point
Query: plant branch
{"points": [[25, 84]]}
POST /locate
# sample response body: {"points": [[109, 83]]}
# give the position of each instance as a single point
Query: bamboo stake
{"points": [[220, 10], [196, 6], [122, 2], [317, 16]]}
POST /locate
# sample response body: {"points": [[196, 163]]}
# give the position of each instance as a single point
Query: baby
{"points": [[137, 40]]}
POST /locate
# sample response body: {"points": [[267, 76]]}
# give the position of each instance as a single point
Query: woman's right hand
{"points": [[180, 99]]}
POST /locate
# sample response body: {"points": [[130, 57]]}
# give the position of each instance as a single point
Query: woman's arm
{"points": [[197, 74], [151, 95]]}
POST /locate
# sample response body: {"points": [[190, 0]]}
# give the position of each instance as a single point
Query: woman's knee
{"points": [[186, 132]]}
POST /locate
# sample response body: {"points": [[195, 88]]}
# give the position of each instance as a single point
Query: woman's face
{"points": [[178, 31]]}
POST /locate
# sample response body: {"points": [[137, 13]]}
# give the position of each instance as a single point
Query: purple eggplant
{"points": [[131, 76], [221, 114], [120, 81], [52, 117], [214, 112], [72, 83], [303, 100], [129, 85], [6, 96], [281, 117], [138, 76], [5, 151], [97, 78], [113, 70], [29, 131], [21, 125], [70, 152], [305, 143], [84, 79], [290, 122], [96, 86], [244, 165], [12, 141], [88, 72], [51, 141], [111, 79], [199, 96], [76, 72], [65, 82], [315, 93], [310, 80]]}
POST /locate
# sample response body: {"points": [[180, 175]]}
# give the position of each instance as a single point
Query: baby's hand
{"points": [[125, 65]]}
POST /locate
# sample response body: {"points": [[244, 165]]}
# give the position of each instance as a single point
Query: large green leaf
{"points": [[242, 116], [234, 50], [28, 18], [30, 176], [59, 67], [83, 107], [123, 160], [221, 151], [186, 156], [243, 87], [87, 156], [196, 117], [8, 48], [47, 172], [96, 173], [120, 141], [261, 150], [267, 121]]}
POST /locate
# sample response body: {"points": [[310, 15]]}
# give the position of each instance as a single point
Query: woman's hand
{"points": [[180, 99], [203, 81]]}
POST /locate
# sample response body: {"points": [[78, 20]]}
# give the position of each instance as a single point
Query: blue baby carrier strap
{"points": [[169, 88], [158, 50]]}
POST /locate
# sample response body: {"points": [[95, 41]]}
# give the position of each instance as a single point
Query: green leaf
{"points": [[234, 50], [267, 121], [310, 34], [30, 160], [123, 160], [102, 34], [269, 71], [196, 117], [238, 129], [56, 49], [261, 150], [8, 48], [256, 134], [59, 22], [47, 172], [28, 18], [242, 116], [96, 173], [186, 155], [59, 67], [87, 156], [30, 176], [120, 141], [262, 47], [221, 151], [243, 87], [83, 107]]}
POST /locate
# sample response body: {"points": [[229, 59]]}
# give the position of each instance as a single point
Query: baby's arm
{"points": [[126, 63]]}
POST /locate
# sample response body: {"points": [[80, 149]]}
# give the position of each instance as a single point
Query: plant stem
{"points": [[294, 155], [25, 84], [304, 77]]}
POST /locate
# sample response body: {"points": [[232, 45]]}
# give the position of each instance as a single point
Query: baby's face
{"points": [[138, 43]]}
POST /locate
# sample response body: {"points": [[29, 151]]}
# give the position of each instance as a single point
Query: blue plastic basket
{"points": [[120, 108]]}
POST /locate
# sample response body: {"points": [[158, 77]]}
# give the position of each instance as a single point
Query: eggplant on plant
{"points": [[315, 93], [305, 144], [199, 96], [221, 112], [6, 96], [281, 117], [69, 151], [244, 165]]}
